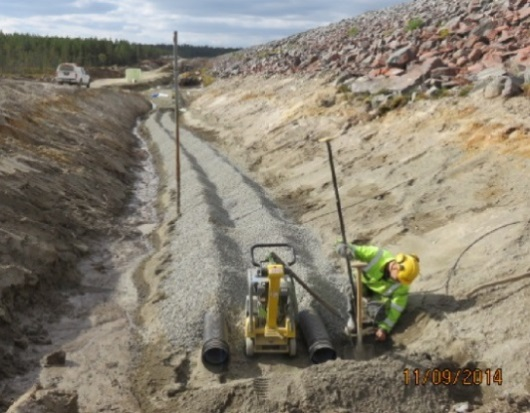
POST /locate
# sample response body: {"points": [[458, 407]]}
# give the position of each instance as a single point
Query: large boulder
{"points": [[401, 58]]}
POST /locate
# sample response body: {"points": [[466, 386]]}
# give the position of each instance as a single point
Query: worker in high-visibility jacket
{"points": [[386, 279]]}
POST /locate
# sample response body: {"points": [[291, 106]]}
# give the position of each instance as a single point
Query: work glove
{"points": [[343, 250], [380, 335]]}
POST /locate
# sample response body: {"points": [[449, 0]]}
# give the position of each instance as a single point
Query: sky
{"points": [[217, 23]]}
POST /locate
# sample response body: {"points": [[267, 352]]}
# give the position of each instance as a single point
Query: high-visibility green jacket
{"points": [[392, 294]]}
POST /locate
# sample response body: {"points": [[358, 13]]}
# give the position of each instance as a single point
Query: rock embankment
{"points": [[423, 45]]}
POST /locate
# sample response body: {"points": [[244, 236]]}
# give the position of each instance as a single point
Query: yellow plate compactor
{"points": [[271, 306]]}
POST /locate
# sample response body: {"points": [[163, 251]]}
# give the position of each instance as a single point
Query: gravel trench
{"points": [[202, 263], [224, 213]]}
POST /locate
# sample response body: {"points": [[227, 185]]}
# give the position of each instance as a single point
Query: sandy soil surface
{"points": [[443, 178], [201, 264]]}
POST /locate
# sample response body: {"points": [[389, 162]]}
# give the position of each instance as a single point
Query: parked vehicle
{"points": [[72, 74]]}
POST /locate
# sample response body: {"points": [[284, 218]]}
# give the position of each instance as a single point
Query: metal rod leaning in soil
{"points": [[324, 303], [341, 220]]}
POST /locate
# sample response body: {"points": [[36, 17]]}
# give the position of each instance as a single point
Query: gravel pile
{"points": [[224, 213]]}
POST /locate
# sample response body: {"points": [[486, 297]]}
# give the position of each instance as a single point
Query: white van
{"points": [[72, 74]]}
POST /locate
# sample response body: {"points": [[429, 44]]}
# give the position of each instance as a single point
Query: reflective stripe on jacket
{"points": [[393, 294]]}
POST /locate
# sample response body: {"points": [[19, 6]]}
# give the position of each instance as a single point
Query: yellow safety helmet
{"points": [[409, 268]]}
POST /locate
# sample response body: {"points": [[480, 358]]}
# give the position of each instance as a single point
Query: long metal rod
{"points": [[342, 227], [177, 110], [324, 303]]}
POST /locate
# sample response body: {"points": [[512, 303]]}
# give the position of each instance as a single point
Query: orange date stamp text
{"points": [[452, 377]]}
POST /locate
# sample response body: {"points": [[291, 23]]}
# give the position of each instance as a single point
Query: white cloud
{"points": [[201, 22]]}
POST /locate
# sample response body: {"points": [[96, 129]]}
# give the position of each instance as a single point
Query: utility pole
{"points": [[177, 134]]}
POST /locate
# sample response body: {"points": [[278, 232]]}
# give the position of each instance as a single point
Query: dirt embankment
{"points": [[443, 178], [67, 164]]}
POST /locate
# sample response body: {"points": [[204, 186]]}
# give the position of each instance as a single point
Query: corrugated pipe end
{"points": [[215, 352], [320, 352], [215, 349], [317, 338]]}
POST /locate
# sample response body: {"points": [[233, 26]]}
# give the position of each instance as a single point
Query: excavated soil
{"points": [[443, 178]]}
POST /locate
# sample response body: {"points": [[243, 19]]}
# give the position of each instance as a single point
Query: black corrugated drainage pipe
{"points": [[215, 348], [316, 337]]}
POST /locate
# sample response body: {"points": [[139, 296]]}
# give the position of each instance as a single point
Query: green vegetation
{"points": [[385, 101], [383, 92], [188, 51], [444, 33], [207, 78], [393, 102], [465, 90], [413, 24], [398, 101], [354, 31], [344, 93], [264, 53], [526, 90], [441, 93], [291, 45], [342, 88], [35, 55], [348, 96]]}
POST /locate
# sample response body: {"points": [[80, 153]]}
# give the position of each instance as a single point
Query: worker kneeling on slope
{"points": [[386, 280]]}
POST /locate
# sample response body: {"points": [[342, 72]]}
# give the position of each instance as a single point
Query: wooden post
{"points": [[359, 297], [177, 133]]}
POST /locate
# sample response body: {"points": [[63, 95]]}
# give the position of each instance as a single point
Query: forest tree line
{"points": [[32, 54]]}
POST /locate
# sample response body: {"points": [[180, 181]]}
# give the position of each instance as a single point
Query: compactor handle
{"points": [[280, 245]]}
